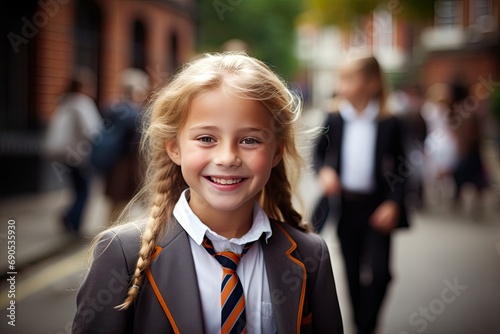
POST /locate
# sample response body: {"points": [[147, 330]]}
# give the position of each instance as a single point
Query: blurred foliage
{"points": [[344, 13], [268, 27]]}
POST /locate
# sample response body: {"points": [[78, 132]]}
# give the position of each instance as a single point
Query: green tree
{"points": [[344, 12], [268, 27]]}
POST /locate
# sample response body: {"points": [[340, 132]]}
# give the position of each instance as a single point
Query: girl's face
{"points": [[226, 150], [352, 84], [355, 86]]}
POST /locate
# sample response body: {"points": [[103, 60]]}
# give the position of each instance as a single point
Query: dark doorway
{"points": [[19, 121], [173, 56], [17, 66], [139, 46], [88, 40]]}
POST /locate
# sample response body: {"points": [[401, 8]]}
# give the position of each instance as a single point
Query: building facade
{"points": [[46, 40], [464, 41], [461, 39]]}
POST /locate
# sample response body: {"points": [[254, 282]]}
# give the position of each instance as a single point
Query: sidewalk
{"points": [[39, 233]]}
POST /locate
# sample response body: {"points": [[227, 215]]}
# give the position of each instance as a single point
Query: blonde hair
{"points": [[245, 77]]}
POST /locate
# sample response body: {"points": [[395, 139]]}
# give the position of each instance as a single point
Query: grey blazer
{"points": [[299, 270]]}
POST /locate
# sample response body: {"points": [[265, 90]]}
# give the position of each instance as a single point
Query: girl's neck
{"points": [[360, 105], [229, 224]]}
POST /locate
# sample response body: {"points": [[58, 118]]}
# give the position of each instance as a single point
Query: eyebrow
{"points": [[204, 127], [215, 128]]}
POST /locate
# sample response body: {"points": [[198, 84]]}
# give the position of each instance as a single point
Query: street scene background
{"points": [[446, 266]]}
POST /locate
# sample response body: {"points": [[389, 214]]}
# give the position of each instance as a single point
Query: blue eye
{"points": [[206, 139], [250, 141]]}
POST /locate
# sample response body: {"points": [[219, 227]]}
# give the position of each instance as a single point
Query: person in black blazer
{"points": [[360, 158]]}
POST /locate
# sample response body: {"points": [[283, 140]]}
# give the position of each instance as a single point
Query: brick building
{"points": [[462, 39], [45, 40]]}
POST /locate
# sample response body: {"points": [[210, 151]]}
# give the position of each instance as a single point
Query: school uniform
{"points": [[367, 153], [286, 276]]}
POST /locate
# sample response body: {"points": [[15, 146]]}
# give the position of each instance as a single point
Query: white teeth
{"points": [[225, 181]]}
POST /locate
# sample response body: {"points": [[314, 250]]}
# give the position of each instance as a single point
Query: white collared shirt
{"points": [[251, 270], [357, 170]]}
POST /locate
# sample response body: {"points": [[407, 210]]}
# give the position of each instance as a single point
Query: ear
{"points": [[278, 154], [173, 151]]}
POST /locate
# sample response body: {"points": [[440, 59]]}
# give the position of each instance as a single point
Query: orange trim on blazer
{"points": [[158, 249], [303, 292], [158, 293]]}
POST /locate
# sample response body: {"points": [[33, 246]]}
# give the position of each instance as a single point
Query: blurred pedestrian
{"points": [[70, 133], [466, 129], [117, 155], [409, 107], [494, 114], [440, 145], [361, 158]]}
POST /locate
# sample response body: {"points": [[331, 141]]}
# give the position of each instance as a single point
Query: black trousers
{"points": [[366, 255], [80, 181]]}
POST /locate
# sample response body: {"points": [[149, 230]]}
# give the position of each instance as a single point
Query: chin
{"points": [[226, 206]]}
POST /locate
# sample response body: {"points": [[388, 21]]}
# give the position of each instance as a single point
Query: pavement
{"points": [[39, 233]]}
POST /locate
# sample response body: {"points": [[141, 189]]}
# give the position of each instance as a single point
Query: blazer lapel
{"points": [[336, 138], [381, 138], [172, 272], [287, 279]]}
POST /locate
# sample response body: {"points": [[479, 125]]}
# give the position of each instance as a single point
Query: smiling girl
{"points": [[222, 249]]}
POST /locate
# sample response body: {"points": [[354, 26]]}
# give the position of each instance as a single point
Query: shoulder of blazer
{"points": [[333, 118], [333, 127], [129, 236]]}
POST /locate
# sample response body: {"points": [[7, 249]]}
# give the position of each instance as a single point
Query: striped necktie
{"points": [[233, 318]]}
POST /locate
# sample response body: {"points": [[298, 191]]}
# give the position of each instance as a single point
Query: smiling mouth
{"points": [[224, 181]]}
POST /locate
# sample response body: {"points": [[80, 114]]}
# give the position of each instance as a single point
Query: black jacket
{"points": [[392, 169]]}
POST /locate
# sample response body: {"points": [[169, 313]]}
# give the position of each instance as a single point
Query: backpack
{"points": [[119, 123]]}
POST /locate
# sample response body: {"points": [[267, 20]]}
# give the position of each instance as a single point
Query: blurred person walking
{"points": [[466, 131], [359, 159], [440, 145], [407, 105], [117, 155], [75, 124]]}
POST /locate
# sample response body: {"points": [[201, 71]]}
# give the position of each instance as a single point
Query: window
{"points": [[358, 38], [448, 13], [480, 8], [88, 29], [480, 11], [383, 29]]}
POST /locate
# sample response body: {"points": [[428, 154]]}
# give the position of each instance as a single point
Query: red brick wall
{"points": [[55, 47], [54, 59], [443, 68]]}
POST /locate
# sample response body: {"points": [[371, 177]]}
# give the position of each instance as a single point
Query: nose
{"points": [[227, 156]]}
